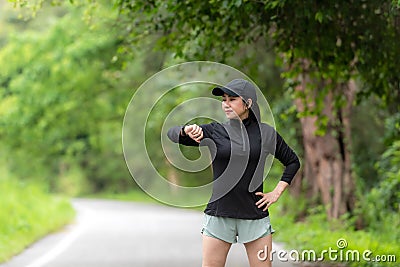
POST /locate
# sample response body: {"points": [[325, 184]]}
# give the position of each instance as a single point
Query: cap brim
{"points": [[220, 91]]}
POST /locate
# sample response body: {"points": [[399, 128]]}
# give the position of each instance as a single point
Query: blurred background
{"points": [[330, 72]]}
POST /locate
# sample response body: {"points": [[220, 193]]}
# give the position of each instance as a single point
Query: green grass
{"points": [[134, 195], [27, 213]]}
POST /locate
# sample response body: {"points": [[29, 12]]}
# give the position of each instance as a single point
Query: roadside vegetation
{"points": [[27, 214], [314, 232]]}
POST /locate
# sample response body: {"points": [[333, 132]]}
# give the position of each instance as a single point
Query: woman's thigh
{"points": [[259, 251], [215, 252]]}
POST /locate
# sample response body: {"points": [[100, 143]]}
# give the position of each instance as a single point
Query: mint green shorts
{"points": [[236, 230]]}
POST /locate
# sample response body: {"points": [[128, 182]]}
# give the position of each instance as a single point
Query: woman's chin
{"points": [[231, 116]]}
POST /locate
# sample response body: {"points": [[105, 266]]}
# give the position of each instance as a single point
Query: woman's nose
{"points": [[225, 104]]}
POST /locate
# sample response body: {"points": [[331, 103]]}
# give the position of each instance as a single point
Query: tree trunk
{"points": [[348, 181], [327, 162]]}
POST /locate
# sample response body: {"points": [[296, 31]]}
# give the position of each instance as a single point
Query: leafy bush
{"points": [[381, 206]]}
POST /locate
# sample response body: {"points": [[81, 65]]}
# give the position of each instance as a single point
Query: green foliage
{"points": [[389, 169], [368, 135], [381, 205], [63, 99], [333, 40], [392, 128], [133, 195], [24, 214]]}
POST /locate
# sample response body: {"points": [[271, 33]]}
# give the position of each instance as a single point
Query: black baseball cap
{"points": [[237, 87], [242, 88]]}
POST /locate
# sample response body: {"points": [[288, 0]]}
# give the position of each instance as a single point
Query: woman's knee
{"points": [[215, 252]]}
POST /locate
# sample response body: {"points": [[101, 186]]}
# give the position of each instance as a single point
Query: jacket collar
{"points": [[236, 123]]}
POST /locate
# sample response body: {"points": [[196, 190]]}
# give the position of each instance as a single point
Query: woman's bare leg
{"points": [[259, 251], [215, 252]]}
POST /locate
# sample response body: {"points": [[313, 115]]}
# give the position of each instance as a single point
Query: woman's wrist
{"points": [[183, 133], [280, 187]]}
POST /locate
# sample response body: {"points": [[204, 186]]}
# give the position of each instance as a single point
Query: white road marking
{"points": [[64, 243]]}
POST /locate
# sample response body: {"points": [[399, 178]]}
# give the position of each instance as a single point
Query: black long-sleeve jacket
{"points": [[239, 150]]}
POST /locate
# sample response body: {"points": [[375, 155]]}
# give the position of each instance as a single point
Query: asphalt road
{"points": [[121, 234]]}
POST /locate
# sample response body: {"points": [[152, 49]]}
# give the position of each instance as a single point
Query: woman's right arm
{"points": [[189, 135]]}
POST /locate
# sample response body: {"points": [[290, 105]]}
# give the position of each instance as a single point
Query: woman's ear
{"points": [[249, 102]]}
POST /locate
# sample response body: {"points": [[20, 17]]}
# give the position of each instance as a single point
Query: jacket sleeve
{"points": [[288, 158], [174, 134]]}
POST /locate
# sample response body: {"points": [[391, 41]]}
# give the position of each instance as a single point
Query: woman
{"points": [[238, 208]]}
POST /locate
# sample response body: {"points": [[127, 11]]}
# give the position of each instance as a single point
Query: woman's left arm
{"points": [[267, 199], [289, 159]]}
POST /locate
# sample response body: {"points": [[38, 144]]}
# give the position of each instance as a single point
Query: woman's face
{"points": [[234, 107]]}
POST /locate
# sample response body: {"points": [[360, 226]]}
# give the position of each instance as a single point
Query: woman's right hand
{"points": [[194, 131]]}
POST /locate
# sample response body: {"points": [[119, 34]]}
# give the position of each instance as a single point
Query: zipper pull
{"points": [[241, 131]]}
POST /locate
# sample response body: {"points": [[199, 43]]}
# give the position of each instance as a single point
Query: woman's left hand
{"points": [[267, 199]]}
